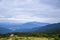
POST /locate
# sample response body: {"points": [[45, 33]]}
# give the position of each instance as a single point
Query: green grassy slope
{"points": [[26, 38]]}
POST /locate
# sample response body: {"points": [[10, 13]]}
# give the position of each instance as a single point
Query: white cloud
{"points": [[25, 18], [29, 10]]}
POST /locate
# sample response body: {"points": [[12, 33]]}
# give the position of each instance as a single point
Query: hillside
{"points": [[4, 30], [21, 27], [27, 27], [55, 28]]}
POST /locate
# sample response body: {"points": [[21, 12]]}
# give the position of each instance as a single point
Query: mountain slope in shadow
{"points": [[55, 28], [4, 30]]}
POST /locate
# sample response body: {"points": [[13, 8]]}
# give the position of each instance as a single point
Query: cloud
{"points": [[54, 3], [25, 18], [1, 16], [30, 10]]}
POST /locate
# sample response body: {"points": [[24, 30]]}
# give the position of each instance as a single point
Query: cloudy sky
{"points": [[30, 10]]}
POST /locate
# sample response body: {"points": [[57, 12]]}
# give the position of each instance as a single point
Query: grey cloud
{"points": [[55, 3], [38, 8]]}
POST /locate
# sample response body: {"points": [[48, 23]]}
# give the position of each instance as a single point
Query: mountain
{"points": [[4, 30], [29, 26], [10, 25], [21, 27], [32, 24], [55, 28]]}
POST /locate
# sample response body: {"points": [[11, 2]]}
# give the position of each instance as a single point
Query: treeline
{"points": [[32, 34]]}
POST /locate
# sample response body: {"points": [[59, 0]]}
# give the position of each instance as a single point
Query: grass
{"points": [[26, 38]]}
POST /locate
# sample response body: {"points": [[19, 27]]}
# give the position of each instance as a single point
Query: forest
{"points": [[30, 36]]}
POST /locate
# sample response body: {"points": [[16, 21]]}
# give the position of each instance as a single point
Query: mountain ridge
{"points": [[50, 28], [22, 27]]}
